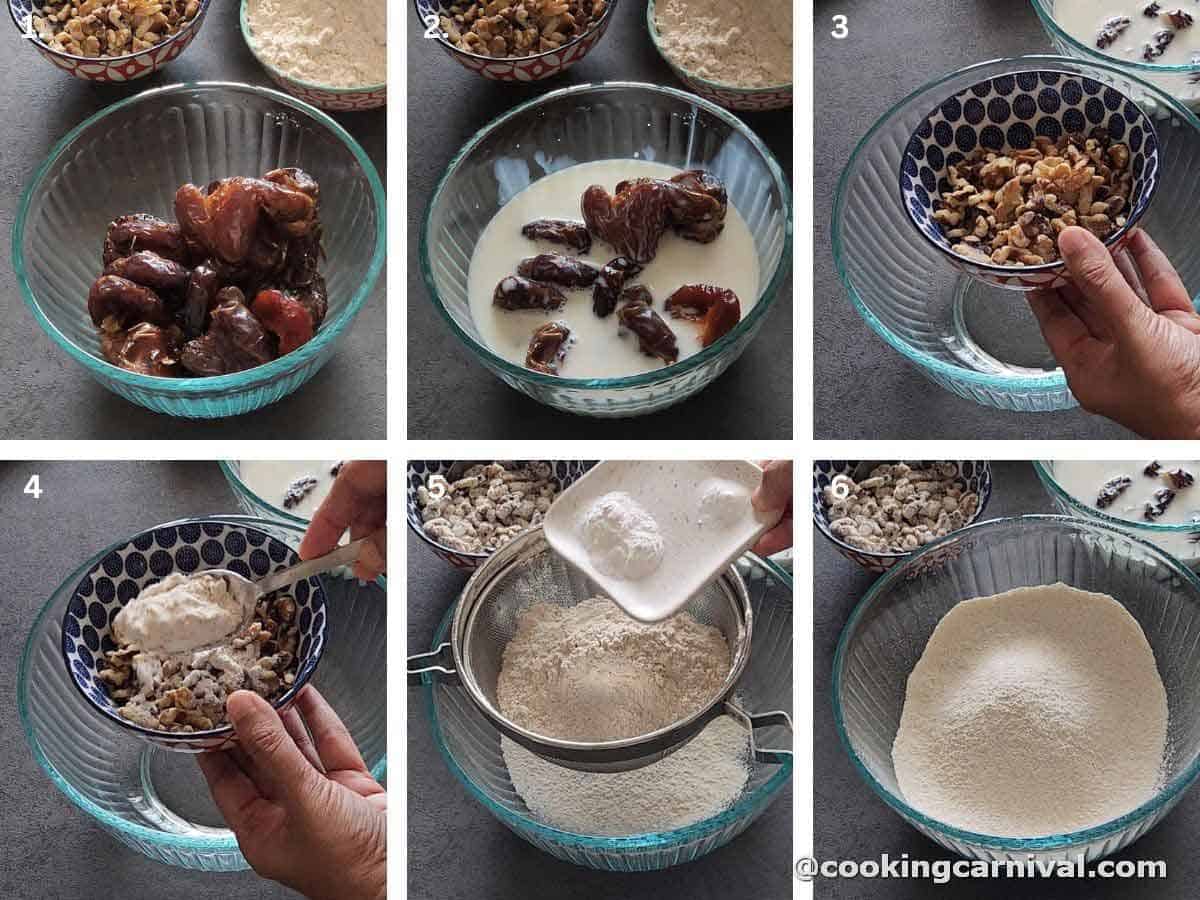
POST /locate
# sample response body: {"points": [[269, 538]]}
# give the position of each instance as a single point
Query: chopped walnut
{"points": [[487, 507], [515, 28], [1009, 208], [98, 29]]}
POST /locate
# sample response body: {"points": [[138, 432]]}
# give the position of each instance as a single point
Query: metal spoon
{"points": [[250, 592]]}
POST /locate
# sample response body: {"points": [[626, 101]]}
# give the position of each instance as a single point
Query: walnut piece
{"points": [[516, 28], [1009, 208]]}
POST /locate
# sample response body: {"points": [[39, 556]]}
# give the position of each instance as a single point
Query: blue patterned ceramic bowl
{"points": [[566, 473], [1006, 112], [975, 475], [146, 559]]}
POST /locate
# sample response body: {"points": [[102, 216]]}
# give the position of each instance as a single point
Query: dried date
{"points": [[716, 308], [548, 347], [124, 303], [609, 283], [637, 293], [518, 292], [697, 203], [285, 317], [1110, 30], [1157, 45], [1157, 506], [144, 348], [224, 220], [654, 336], [235, 339], [1180, 19], [1181, 478], [560, 231], [201, 294], [1111, 490], [558, 269], [1152, 469], [128, 234], [147, 268], [631, 221]]}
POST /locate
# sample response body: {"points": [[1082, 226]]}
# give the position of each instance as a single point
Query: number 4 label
{"points": [[841, 30], [33, 487]]}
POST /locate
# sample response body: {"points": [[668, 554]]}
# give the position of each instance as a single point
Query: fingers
{"points": [[1067, 337], [358, 494], [244, 808], [777, 539], [373, 561], [277, 766], [299, 732], [774, 492], [1129, 271], [334, 745], [1107, 305], [1164, 287]]}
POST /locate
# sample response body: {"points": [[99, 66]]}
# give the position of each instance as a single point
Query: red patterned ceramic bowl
{"points": [[727, 95], [333, 99], [114, 68], [522, 68]]}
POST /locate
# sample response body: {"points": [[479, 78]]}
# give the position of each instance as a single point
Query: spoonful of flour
{"points": [[1033, 712]]}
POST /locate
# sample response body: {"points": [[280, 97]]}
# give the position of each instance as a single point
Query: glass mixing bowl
{"points": [[889, 629], [156, 801], [614, 120], [1180, 81], [131, 157], [979, 341], [1180, 540], [470, 745]]}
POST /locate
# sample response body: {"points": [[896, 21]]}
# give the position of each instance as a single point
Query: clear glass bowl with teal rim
{"points": [[155, 801], [470, 746], [976, 340], [1180, 540], [888, 631], [1180, 81], [131, 157], [584, 123], [255, 505]]}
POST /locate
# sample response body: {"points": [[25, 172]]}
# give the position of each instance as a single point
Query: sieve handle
{"points": [[751, 721], [424, 667]]}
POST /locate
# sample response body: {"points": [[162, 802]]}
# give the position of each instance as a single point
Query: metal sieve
{"points": [[527, 570]]}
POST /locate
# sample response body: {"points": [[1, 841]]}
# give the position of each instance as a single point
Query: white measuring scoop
{"points": [[701, 510]]}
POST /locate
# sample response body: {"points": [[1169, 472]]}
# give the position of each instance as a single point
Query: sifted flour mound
{"points": [[590, 673], [700, 779], [746, 43], [1032, 712]]}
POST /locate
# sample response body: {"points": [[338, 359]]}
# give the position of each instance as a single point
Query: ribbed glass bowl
{"points": [[979, 341], [889, 629], [255, 505], [1180, 81], [470, 745], [1181, 540], [155, 801], [585, 123], [131, 157]]}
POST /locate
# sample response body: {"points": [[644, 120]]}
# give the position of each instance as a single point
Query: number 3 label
{"points": [[840, 31], [33, 487]]}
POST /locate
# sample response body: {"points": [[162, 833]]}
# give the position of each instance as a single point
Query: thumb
{"points": [[775, 491], [1106, 304], [278, 767]]}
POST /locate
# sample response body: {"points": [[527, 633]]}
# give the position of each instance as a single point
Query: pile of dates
{"points": [[230, 285], [693, 204]]}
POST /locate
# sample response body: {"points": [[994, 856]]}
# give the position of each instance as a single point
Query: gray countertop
{"points": [[853, 823], [48, 395], [52, 849], [450, 395], [864, 389], [458, 851]]}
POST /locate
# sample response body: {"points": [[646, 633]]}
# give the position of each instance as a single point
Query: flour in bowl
{"points": [[1033, 712], [341, 45]]}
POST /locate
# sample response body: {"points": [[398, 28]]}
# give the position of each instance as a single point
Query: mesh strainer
{"points": [[527, 570]]}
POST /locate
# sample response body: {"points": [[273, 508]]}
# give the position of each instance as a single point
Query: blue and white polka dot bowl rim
{"points": [[996, 113], [976, 474], [188, 546], [565, 473]]}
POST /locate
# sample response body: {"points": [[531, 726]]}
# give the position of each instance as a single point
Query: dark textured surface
{"points": [[459, 851], [452, 396], [52, 849], [863, 388], [48, 395], [853, 823]]}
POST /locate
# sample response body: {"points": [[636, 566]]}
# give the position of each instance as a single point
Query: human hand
{"points": [[305, 810], [358, 501], [774, 497], [1134, 360]]}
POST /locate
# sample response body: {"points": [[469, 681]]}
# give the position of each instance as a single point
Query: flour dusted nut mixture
{"points": [[743, 43], [339, 45], [591, 673], [1033, 712]]}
